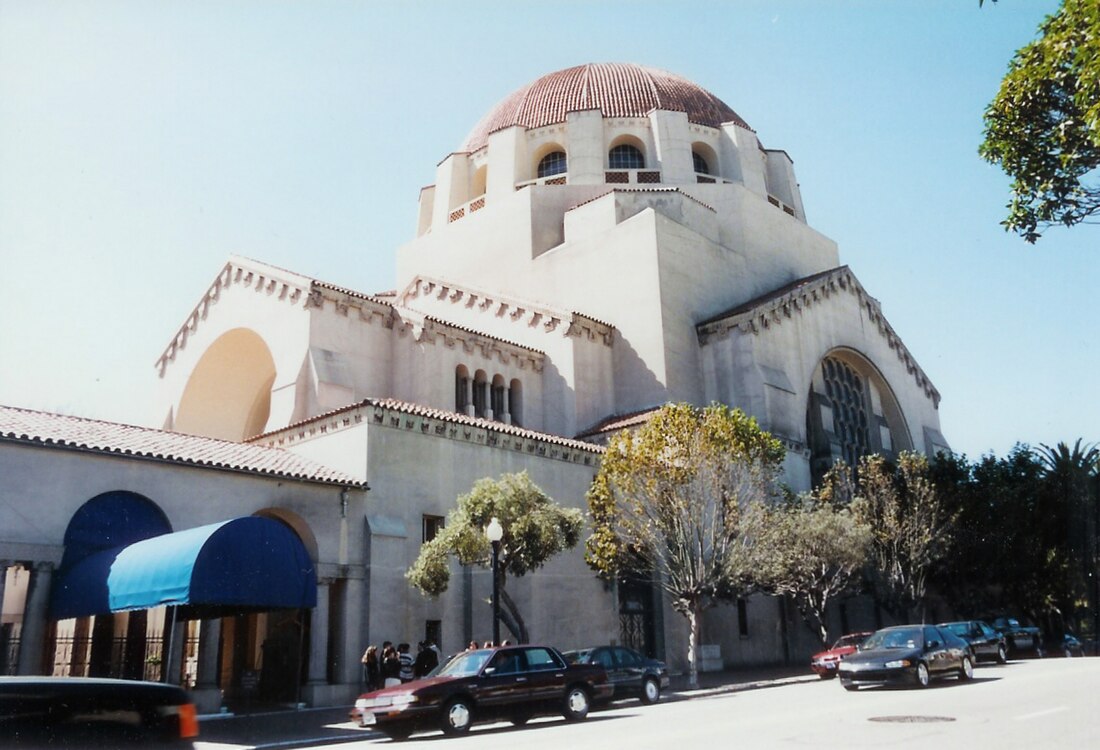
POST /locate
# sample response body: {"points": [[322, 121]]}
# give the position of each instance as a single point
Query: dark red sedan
{"points": [[512, 683], [825, 662]]}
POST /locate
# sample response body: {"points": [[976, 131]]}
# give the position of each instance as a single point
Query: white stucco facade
{"points": [[608, 239]]}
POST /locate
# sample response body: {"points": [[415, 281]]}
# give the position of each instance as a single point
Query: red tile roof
{"points": [[616, 89], [617, 422], [58, 430], [447, 416]]}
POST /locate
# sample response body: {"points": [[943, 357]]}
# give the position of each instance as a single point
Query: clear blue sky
{"points": [[143, 142]]}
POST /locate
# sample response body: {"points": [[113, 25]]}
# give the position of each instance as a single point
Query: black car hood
{"points": [[879, 655]]}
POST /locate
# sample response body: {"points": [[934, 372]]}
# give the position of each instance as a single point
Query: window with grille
{"points": [[848, 397], [552, 164], [625, 156], [701, 166]]}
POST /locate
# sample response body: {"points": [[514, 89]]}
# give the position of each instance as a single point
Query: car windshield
{"points": [[958, 628], [849, 640], [893, 638], [466, 663], [577, 657]]}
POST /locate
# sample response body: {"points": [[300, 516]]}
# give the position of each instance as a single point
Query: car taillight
{"points": [[189, 720]]}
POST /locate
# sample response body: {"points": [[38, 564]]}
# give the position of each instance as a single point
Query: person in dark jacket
{"points": [[426, 660]]}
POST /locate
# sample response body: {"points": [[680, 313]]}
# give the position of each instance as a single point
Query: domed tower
{"points": [[625, 193]]}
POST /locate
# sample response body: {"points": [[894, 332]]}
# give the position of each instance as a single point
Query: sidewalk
{"points": [[283, 730]]}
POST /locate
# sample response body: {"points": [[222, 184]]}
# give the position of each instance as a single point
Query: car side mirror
{"points": [[932, 645], [489, 671]]}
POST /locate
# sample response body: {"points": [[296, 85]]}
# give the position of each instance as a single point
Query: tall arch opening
{"points": [[228, 395], [852, 412]]}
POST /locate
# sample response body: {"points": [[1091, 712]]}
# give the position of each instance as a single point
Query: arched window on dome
{"points": [[552, 164], [625, 156], [700, 162]]}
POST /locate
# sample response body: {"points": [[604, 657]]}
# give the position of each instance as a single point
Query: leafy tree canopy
{"points": [[1043, 126], [535, 529]]}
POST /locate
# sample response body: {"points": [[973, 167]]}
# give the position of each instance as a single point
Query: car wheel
{"points": [[966, 669], [651, 691], [457, 717], [826, 675], [1002, 654], [922, 675], [849, 686], [576, 703]]}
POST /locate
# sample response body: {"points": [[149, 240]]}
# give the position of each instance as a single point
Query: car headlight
{"points": [[363, 703], [404, 699], [898, 664]]}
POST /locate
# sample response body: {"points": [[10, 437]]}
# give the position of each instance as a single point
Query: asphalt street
{"points": [[1026, 704]]}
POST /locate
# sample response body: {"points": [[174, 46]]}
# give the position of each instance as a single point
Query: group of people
{"points": [[394, 665]]}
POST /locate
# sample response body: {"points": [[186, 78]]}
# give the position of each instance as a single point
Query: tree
{"points": [[535, 529], [1043, 126], [667, 500], [910, 528], [809, 549], [1069, 474]]}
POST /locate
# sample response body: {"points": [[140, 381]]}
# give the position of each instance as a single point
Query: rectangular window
{"points": [[743, 618], [432, 525]]}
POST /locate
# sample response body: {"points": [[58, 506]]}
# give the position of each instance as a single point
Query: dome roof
{"points": [[616, 89]]}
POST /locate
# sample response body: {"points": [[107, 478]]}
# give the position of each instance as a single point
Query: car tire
{"points": [[849, 686], [1002, 654], [651, 690], [922, 675], [576, 704], [457, 717], [966, 670], [826, 675]]}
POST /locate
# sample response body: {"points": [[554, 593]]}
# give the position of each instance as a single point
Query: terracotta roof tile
{"points": [[617, 422], [616, 89], [47, 429], [441, 414]]}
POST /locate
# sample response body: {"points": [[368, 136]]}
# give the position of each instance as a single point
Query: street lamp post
{"points": [[495, 532]]}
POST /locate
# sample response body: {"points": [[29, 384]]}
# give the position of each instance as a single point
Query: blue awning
{"points": [[240, 565]]}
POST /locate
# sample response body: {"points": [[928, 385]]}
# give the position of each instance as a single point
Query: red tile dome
{"points": [[616, 89]]}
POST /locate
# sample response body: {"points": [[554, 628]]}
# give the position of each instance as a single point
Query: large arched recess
{"points": [[228, 395], [297, 524], [847, 391]]}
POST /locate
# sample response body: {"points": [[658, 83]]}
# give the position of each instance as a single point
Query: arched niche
{"points": [[297, 524], [852, 411], [228, 395], [704, 156]]}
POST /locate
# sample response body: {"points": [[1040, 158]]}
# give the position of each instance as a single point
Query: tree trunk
{"points": [[510, 616], [694, 615]]}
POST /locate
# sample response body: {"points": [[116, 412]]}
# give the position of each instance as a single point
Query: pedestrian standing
{"points": [[406, 661], [391, 666], [371, 668]]}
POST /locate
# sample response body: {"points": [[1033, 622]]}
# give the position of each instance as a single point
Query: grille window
{"points": [[625, 156], [551, 164], [847, 395]]}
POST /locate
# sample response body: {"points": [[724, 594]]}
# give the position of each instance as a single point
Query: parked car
{"points": [[1020, 639], [94, 713], [825, 663], [632, 675], [985, 642], [907, 655], [512, 682], [1068, 645]]}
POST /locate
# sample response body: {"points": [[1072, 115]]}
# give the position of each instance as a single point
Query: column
{"points": [[4, 565], [318, 637], [32, 638], [506, 417], [173, 660], [470, 396], [210, 633]]}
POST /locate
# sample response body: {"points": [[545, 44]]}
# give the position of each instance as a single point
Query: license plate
{"points": [[366, 718]]}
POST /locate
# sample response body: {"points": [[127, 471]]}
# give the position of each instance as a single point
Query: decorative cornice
{"points": [[534, 316], [425, 420], [285, 286], [428, 329], [774, 308]]}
